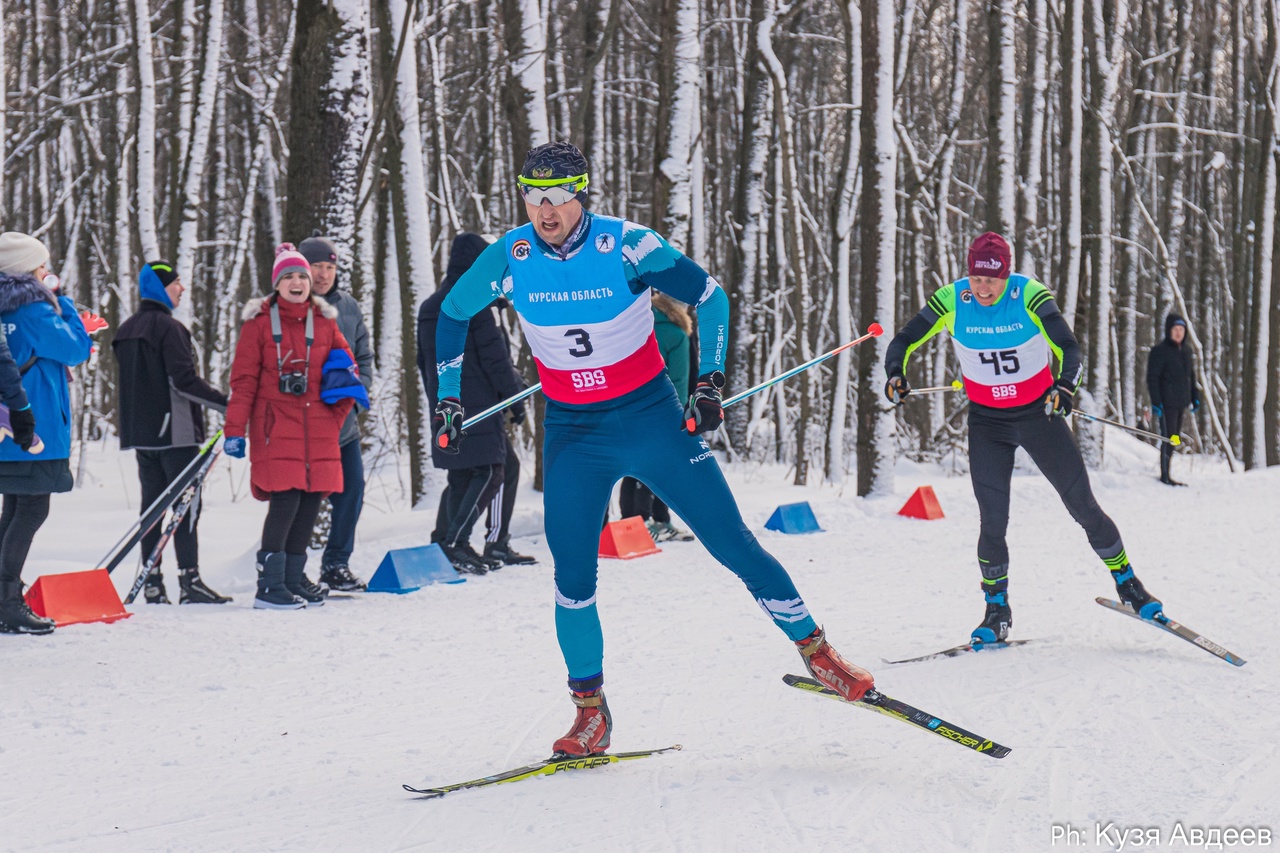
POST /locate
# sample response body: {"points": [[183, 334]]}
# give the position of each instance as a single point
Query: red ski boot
{"points": [[826, 665], [591, 728]]}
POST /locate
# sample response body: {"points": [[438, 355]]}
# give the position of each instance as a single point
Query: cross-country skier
{"points": [[580, 284], [1007, 330]]}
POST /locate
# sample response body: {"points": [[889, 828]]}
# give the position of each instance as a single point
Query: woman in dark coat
{"points": [[275, 400], [1171, 383], [45, 337]]}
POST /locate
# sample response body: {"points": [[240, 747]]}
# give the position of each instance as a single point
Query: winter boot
{"points": [[999, 618], [591, 728], [154, 589], [505, 554], [15, 616], [826, 665], [295, 578], [272, 592], [195, 591], [462, 562], [490, 563], [339, 577], [1133, 594]]}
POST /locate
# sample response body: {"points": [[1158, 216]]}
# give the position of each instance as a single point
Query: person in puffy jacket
{"points": [[1171, 383], [45, 337], [294, 457]]}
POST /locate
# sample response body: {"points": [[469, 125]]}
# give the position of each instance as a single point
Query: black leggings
{"points": [[290, 517], [634, 498], [994, 435], [22, 517]]}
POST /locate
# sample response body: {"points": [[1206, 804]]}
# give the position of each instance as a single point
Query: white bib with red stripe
{"points": [[1004, 358], [592, 338]]}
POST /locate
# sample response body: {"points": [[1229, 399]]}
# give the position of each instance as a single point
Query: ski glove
{"points": [[517, 412], [234, 447], [23, 423], [446, 424], [705, 410], [1156, 410], [92, 322], [897, 388], [1059, 401]]}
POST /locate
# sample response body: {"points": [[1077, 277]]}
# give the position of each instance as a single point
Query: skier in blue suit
{"points": [[580, 285]]}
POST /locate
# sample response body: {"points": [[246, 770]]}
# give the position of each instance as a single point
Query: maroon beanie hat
{"points": [[990, 256]]}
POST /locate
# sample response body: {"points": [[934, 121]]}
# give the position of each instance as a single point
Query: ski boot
{"points": [[154, 589], [15, 616], [490, 563], [502, 552], [272, 592], [295, 578], [826, 665], [1132, 593], [194, 590], [593, 725], [339, 577], [999, 618]]}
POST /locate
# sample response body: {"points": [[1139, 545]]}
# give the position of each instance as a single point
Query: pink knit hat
{"points": [[288, 259], [990, 256]]}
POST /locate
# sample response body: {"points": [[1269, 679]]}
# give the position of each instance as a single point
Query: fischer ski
{"points": [[874, 700], [1178, 630], [956, 651], [555, 764]]}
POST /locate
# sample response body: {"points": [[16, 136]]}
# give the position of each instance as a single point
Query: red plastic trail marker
{"points": [[923, 503], [626, 539], [76, 597]]}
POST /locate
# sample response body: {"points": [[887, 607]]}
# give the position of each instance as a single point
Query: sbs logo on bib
{"points": [[520, 250]]}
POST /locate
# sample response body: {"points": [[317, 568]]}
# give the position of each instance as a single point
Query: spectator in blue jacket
{"points": [[45, 337]]}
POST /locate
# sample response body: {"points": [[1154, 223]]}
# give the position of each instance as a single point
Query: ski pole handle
{"points": [[1175, 440], [875, 330], [957, 385]]}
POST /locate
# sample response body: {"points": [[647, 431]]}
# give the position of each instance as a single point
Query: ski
{"points": [[1178, 630], [956, 651], [551, 766], [874, 700], [180, 510], [152, 515]]}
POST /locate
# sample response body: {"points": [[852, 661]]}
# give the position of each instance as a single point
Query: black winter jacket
{"points": [[161, 394], [1171, 377], [488, 375]]}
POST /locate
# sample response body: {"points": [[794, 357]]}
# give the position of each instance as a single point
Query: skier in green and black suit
{"points": [[1007, 331]]}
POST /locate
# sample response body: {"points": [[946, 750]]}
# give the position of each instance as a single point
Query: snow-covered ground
{"points": [[225, 728]]}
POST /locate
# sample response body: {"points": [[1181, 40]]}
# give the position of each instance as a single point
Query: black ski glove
{"points": [[897, 388], [1059, 401], [446, 425], [24, 426], [705, 411]]}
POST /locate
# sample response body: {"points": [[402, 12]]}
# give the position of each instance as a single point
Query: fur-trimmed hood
{"points": [[19, 290], [261, 305]]}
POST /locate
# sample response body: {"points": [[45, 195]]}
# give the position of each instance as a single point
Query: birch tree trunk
{"points": [[146, 169], [879, 214], [1072, 153], [196, 161], [1002, 166], [842, 243], [678, 152]]}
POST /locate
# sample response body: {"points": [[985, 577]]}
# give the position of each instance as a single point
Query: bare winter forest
{"points": [[829, 162]]}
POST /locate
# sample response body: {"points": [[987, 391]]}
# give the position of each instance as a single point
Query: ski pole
{"points": [[151, 517], [957, 385], [498, 407], [873, 331], [1175, 440]]}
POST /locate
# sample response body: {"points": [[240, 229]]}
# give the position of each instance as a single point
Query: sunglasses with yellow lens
{"points": [[558, 191]]}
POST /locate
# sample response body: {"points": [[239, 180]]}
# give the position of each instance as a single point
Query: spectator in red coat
{"points": [[294, 458]]}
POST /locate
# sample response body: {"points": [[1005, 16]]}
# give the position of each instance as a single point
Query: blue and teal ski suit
{"points": [[611, 410]]}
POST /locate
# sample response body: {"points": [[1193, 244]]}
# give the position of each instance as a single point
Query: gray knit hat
{"points": [[21, 253], [318, 249]]}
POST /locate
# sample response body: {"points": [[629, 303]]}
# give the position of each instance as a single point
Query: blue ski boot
{"points": [[999, 618], [1132, 593]]}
